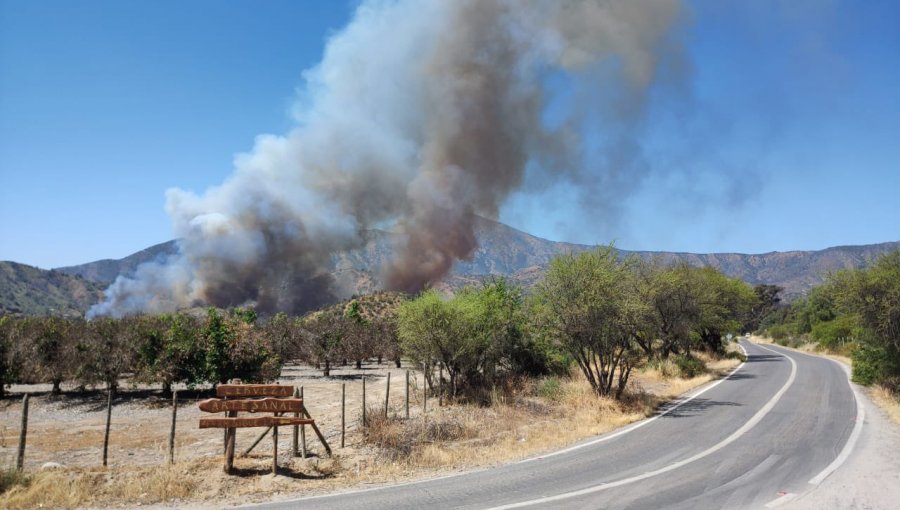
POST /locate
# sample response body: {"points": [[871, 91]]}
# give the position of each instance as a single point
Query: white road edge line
{"points": [[538, 457], [781, 500], [709, 451], [641, 423], [854, 436]]}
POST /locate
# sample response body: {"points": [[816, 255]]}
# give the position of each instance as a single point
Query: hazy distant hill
{"points": [[28, 290], [106, 270], [503, 251]]}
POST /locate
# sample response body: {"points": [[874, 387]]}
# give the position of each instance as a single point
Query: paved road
{"points": [[776, 423]]}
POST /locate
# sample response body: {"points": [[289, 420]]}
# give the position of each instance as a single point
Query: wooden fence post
{"points": [[296, 430], [387, 395], [407, 394], [343, 411], [172, 430], [275, 449], [23, 432], [440, 385], [364, 405], [302, 430], [108, 419], [424, 390]]}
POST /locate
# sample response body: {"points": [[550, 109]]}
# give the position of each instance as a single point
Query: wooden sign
{"points": [[265, 405], [262, 421], [277, 406], [254, 390]]}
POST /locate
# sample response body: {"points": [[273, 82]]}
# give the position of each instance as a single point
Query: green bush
{"points": [[10, 478], [550, 388], [876, 364], [689, 366], [835, 333], [735, 355]]}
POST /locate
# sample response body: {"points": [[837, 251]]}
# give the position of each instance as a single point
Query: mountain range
{"points": [[502, 251]]}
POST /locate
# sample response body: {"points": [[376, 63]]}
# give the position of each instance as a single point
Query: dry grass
{"points": [[886, 400], [548, 415], [79, 487]]}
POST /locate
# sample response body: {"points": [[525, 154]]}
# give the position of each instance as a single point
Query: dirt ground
{"points": [[69, 430]]}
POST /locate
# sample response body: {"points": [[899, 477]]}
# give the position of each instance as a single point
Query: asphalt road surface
{"points": [[769, 433]]}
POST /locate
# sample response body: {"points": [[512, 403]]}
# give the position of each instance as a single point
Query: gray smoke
{"points": [[421, 114]]}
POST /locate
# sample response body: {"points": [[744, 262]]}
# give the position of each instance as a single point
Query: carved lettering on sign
{"points": [[262, 421], [254, 390], [266, 405]]}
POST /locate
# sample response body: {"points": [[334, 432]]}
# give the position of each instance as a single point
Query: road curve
{"points": [[754, 439]]}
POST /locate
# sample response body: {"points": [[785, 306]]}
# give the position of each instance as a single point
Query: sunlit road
{"points": [[763, 436]]}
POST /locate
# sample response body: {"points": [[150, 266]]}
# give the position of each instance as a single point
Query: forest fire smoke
{"points": [[421, 114]]}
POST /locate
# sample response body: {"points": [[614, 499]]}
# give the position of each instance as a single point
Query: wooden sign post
{"points": [[275, 399]]}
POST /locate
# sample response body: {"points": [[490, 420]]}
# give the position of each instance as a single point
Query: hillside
{"points": [[106, 270], [28, 290], [503, 251]]}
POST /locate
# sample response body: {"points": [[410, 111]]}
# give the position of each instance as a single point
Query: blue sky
{"points": [[786, 136]]}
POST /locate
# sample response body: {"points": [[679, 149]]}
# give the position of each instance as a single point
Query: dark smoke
{"points": [[422, 114]]}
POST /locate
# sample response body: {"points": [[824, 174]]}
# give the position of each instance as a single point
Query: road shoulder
{"points": [[870, 478]]}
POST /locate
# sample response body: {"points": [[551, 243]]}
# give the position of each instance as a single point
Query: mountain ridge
{"points": [[502, 251]]}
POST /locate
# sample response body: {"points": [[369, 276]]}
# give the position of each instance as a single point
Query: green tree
{"points": [[218, 337], [873, 296], [588, 304], [725, 304]]}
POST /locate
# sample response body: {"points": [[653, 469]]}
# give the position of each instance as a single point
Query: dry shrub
{"points": [[398, 438]]}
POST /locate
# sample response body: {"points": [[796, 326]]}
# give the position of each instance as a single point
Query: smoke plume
{"points": [[421, 114]]}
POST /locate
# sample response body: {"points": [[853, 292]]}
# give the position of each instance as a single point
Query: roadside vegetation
{"points": [[600, 342], [854, 314]]}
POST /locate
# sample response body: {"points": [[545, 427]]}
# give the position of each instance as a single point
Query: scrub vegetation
{"points": [[602, 341]]}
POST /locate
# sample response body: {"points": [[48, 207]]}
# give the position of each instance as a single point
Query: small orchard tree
{"points": [[359, 339], [322, 336], [48, 350], [9, 364], [106, 351]]}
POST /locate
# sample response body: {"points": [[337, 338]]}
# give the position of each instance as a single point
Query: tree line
{"points": [[854, 312], [183, 348], [594, 311]]}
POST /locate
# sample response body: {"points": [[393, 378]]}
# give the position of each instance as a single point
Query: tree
{"points": [[358, 342], [433, 330], [673, 295], [873, 296], [283, 335], [106, 351], [725, 304], [49, 349], [9, 364], [217, 338], [767, 302], [237, 349], [586, 302], [322, 334]]}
